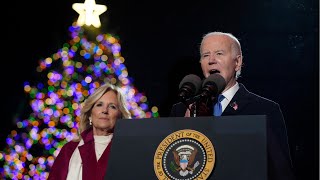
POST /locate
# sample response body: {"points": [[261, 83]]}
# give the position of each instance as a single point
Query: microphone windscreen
{"points": [[192, 80], [217, 81]]}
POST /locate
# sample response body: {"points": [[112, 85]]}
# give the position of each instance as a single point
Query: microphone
{"points": [[213, 85], [189, 86]]}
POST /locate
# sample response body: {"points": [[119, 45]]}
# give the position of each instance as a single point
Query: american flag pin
{"points": [[234, 105]]}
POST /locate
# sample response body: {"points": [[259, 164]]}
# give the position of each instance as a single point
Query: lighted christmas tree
{"points": [[66, 78]]}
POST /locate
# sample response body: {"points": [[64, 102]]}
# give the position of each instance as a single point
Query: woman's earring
{"points": [[90, 121]]}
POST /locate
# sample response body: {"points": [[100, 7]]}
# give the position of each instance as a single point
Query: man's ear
{"points": [[238, 62]]}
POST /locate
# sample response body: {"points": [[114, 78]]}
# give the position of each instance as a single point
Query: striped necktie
{"points": [[217, 108]]}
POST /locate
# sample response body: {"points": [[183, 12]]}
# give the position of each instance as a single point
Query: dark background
{"points": [[160, 42]]}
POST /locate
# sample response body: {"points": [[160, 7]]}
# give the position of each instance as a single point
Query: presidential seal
{"points": [[184, 155]]}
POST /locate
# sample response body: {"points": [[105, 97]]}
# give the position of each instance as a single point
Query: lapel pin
{"points": [[234, 105]]}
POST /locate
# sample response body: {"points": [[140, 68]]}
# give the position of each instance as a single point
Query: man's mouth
{"points": [[213, 71]]}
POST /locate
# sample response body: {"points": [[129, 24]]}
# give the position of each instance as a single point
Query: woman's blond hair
{"points": [[86, 109]]}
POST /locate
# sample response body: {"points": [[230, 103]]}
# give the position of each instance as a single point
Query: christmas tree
{"points": [[66, 78]]}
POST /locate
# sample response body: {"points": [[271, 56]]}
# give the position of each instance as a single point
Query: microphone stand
{"points": [[193, 110], [197, 104], [193, 101]]}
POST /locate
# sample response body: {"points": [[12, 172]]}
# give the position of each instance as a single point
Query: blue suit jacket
{"points": [[247, 103]]}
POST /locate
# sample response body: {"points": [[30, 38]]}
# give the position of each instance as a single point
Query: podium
{"points": [[148, 148]]}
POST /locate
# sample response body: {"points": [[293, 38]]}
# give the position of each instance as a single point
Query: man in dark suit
{"points": [[221, 53]]}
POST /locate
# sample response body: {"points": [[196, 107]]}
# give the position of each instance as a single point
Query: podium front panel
{"points": [[239, 143]]}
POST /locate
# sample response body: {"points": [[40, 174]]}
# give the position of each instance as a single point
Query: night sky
{"points": [[160, 42]]}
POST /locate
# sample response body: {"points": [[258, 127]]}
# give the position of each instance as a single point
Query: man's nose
{"points": [[212, 60]]}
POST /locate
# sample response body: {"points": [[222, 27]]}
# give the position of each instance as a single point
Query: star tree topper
{"points": [[89, 12]]}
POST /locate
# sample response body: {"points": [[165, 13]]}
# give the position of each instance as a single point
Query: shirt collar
{"points": [[228, 94]]}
